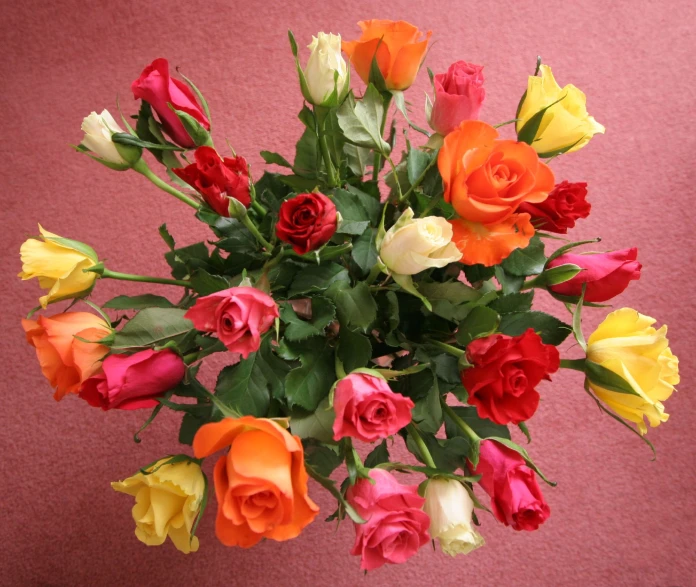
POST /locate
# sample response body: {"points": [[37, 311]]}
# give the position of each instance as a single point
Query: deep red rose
{"points": [[606, 274], [506, 370], [218, 179], [307, 222], [557, 213]]}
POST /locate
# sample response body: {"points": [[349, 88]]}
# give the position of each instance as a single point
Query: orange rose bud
{"points": [[398, 48], [486, 178], [66, 359], [260, 484]]}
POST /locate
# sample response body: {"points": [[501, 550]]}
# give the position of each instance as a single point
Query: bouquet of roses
{"points": [[368, 299]]}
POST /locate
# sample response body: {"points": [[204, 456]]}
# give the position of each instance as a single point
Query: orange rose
{"points": [[67, 361], [399, 54], [260, 484]]}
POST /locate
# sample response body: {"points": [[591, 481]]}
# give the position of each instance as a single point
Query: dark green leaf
{"points": [[323, 313], [152, 326], [323, 459], [275, 159], [138, 302], [607, 379], [203, 283], [510, 283], [527, 261], [483, 427], [550, 328], [316, 278], [364, 251], [481, 321], [355, 305], [317, 424], [354, 349], [308, 384], [378, 455], [516, 302]]}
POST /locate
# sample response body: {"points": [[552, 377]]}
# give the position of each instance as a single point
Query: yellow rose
{"points": [[58, 263], [627, 344], [167, 501], [565, 124]]}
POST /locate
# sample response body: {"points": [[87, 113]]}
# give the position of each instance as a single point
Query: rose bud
{"points": [[306, 222], [239, 316], [557, 213], [604, 275], [459, 95], [98, 129], [131, 382], [367, 409], [324, 62]]}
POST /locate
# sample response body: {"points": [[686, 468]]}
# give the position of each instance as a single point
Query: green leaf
{"points": [[354, 349], [357, 158], [244, 387], [152, 326], [190, 424], [527, 261], [323, 459], [400, 103], [477, 273], [558, 274], [138, 302], [308, 384], [516, 302], [369, 201], [317, 424], [455, 292], [378, 455], [523, 428], [427, 412], [275, 159], [167, 237], [416, 163], [361, 120], [607, 379], [355, 306], [330, 485], [323, 313], [203, 283], [307, 156], [198, 133], [406, 283], [483, 427], [527, 134], [364, 251], [480, 322], [509, 283], [550, 328], [318, 278], [354, 217]]}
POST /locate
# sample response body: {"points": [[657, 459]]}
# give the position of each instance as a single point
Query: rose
{"points": [[98, 129], [239, 316], [565, 125], [505, 372], [326, 62], [449, 508], [627, 344], [59, 264], [459, 95], [604, 275], [63, 347], [306, 221], [395, 45], [516, 499], [367, 409], [130, 382], [159, 90], [217, 179], [260, 484], [413, 245], [395, 526], [167, 500], [557, 213]]}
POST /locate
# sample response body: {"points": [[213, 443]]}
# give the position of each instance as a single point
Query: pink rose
{"points": [[459, 95], [158, 89], [516, 499], [130, 382], [396, 526], [367, 409], [239, 316]]}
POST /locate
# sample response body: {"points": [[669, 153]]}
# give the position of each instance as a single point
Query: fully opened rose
{"points": [[306, 222]]}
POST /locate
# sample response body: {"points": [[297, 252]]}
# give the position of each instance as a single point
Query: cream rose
{"points": [[98, 129], [323, 65]]}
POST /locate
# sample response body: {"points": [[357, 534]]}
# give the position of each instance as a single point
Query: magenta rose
{"points": [[130, 382], [159, 90], [459, 95], [606, 275], [239, 316], [516, 499], [396, 526], [559, 211], [367, 409]]}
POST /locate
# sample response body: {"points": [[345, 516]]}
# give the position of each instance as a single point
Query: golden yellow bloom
{"points": [[167, 502], [627, 344], [58, 263], [565, 126]]}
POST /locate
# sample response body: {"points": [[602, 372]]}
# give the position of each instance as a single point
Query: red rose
{"points": [[557, 213], [159, 90], [516, 499], [459, 95], [606, 274], [307, 222], [218, 179], [506, 370]]}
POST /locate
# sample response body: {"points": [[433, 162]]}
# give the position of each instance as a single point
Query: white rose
{"points": [[411, 246], [449, 507], [323, 62], [98, 129]]}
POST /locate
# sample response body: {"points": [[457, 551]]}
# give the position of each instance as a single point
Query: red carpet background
{"points": [[617, 518]]}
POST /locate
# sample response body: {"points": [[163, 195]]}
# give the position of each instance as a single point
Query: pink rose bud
{"points": [[459, 95], [239, 316], [606, 274], [396, 526], [516, 499], [367, 409], [130, 382], [159, 90]]}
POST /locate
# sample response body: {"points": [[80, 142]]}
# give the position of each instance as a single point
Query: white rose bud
{"points": [[413, 245], [98, 129], [449, 507], [325, 59]]}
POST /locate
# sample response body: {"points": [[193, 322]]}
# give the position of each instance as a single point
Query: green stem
{"points": [[320, 115], [259, 208], [374, 273], [377, 161], [249, 223], [448, 348], [338, 366], [142, 168], [574, 364], [400, 194], [143, 278], [419, 180], [461, 424], [420, 443]]}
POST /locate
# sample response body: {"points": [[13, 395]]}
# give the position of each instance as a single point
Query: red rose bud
{"points": [[130, 382], [307, 222], [459, 95], [557, 213], [217, 179], [516, 499], [606, 275], [159, 90], [506, 370]]}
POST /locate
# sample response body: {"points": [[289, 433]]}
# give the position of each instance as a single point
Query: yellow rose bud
{"points": [[627, 344], [58, 263], [564, 126], [167, 501], [326, 69]]}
